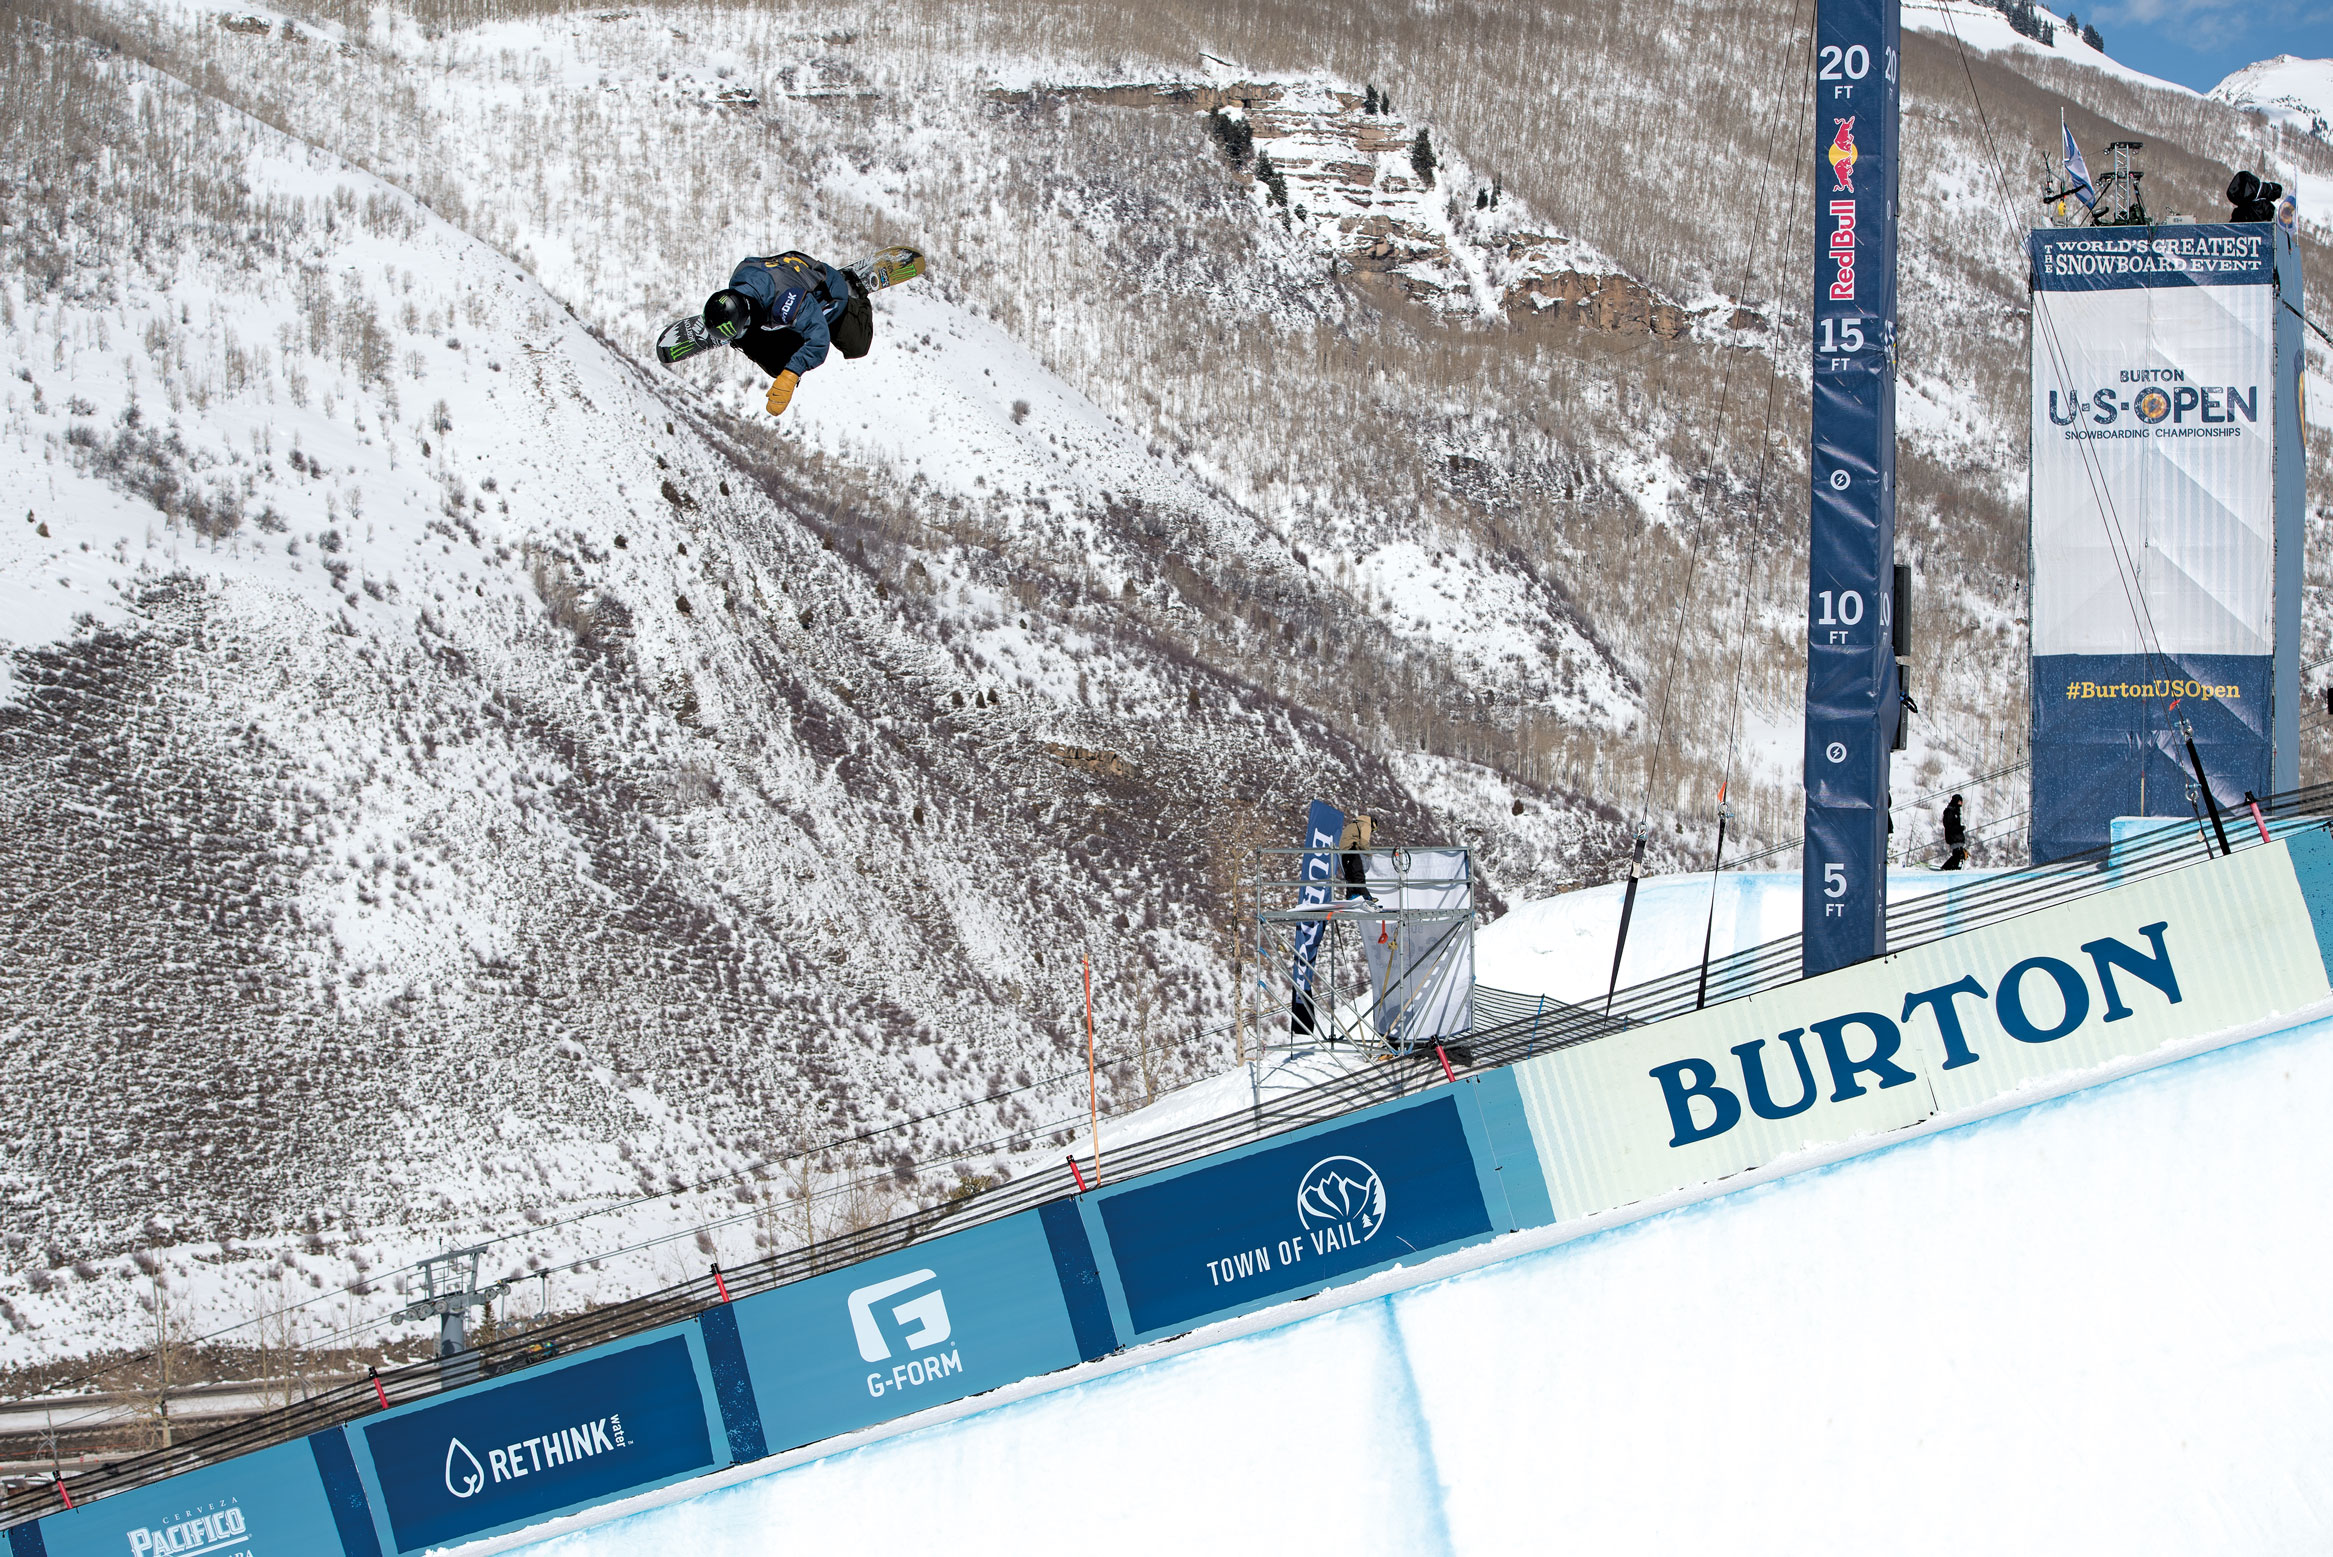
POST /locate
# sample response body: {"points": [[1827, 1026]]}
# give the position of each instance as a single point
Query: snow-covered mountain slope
{"points": [[458, 780], [2296, 93], [460, 777]]}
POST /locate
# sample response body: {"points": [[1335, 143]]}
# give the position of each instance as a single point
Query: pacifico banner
{"points": [[1943, 1027], [2156, 554]]}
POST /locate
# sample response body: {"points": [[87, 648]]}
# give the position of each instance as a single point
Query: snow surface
{"points": [[1561, 947], [2091, 1325]]}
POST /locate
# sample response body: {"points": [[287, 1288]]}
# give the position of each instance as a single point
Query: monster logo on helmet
{"points": [[728, 314]]}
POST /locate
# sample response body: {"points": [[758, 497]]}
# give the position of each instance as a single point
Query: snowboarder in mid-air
{"points": [[785, 311]]}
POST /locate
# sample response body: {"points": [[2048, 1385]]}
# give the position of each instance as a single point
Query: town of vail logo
{"points": [[473, 1474], [1341, 1202]]}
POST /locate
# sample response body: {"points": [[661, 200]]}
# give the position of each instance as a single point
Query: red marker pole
{"points": [[2258, 820], [1447, 1072], [1073, 1173], [1092, 1094], [720, 1285], [379, 1393], [61, 1492]]}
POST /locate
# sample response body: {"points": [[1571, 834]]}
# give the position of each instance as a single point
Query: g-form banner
{"points": [[1946, 1026], [958, 1316], [562, 1436], [1324, 829], [2167, 518], [1853, 697]]}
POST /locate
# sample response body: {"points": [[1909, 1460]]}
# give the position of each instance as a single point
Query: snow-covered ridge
{"points": [[1978, 25], [2288, 90]]}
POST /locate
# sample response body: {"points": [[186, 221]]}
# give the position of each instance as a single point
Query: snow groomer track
{"points": [[1555, 1123]]}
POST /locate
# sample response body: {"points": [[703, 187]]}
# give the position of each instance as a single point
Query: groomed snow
{"points": [[2093, 1325]]}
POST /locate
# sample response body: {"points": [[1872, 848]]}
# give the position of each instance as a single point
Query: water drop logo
{"points": [[462, 1463], [1342, 1200]]}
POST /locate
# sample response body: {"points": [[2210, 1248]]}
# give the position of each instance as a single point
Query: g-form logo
{"points": [[211, 1532], [928, 1312], [464, 1475], [1341, 1202]]}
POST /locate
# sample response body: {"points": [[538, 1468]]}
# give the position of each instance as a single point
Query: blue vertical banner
{"points": [[1853, 699], [1324, 829]]}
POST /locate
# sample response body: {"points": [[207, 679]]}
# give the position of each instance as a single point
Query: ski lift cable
{"points": [[1757, 505], [1917, 800], [1754, 246], [2093, 472]]}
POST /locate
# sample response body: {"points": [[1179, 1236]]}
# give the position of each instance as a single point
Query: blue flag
{"points": [[2077, 171], [1324, 829]]}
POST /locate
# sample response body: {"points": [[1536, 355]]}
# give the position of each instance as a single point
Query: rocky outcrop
{"points": [[1350, 184]]}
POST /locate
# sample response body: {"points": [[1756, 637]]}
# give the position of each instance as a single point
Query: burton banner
{"points": [[1853, 696], [1950, 1025], [2160, 550]]}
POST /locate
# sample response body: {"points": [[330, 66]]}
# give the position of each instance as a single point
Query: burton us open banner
{"points": [[1852, 693], [2159, 551]]}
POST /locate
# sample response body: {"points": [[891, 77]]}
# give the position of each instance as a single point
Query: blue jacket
{"points": [[794, 292]]}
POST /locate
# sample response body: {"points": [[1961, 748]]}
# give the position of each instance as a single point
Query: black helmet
{"points": [[728, 314]]}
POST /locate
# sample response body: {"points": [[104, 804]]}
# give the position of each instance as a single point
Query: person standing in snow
{"points": [[784, 311], [1955, 835]]}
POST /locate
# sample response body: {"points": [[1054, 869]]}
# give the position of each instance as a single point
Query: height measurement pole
{"points": [[1852, 692]]}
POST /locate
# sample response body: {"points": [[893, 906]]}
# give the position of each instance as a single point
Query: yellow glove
{"points": [[782, 391]]}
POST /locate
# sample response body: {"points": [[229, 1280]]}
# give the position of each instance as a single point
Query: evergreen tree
{"points": [[2093, 37], [1270, 177], [1237, 136], [1498, 188], [1422, 158], [1369, 99], [1385, 102], [1482, 199]]}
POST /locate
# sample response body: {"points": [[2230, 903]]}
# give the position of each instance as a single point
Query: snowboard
{"points": [[687, 335]]}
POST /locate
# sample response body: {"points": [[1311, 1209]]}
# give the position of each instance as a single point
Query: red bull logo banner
{"points": [[2166, 522], [1842, 155], [1853, 698]]}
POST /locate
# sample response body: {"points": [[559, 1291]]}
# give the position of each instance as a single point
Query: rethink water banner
{"points": [[1946, 1026], [2159, 552], [557, 1437]]}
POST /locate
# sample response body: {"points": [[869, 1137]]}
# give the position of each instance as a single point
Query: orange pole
{"points": [[1093, 1094]]}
